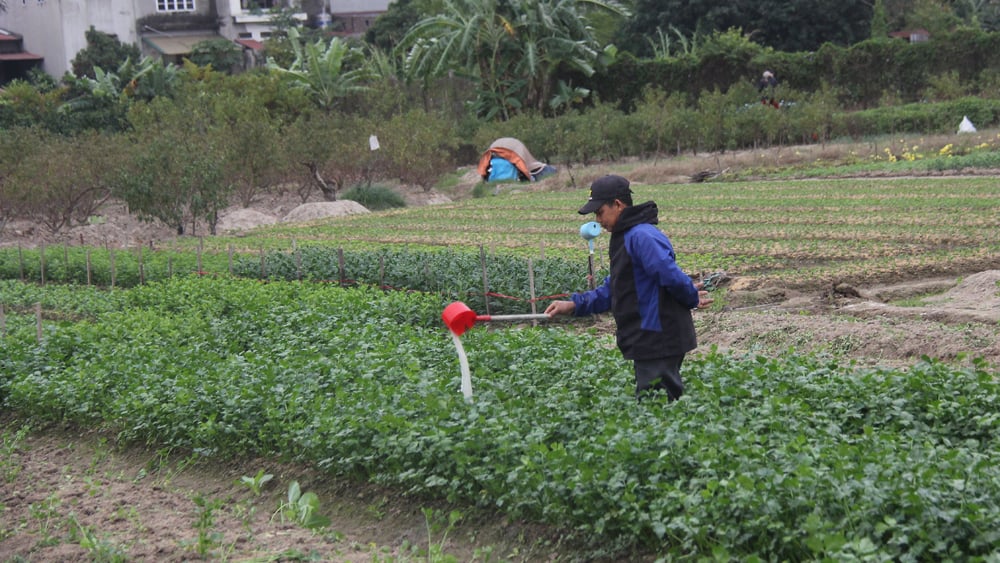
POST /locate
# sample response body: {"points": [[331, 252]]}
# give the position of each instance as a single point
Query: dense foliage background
{"points": [[436, 81]]}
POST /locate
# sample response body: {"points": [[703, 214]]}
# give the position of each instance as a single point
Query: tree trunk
{"points": [[329, 190]]}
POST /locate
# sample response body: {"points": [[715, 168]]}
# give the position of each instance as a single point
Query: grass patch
{"points": [[920, 300], [375, 198]]}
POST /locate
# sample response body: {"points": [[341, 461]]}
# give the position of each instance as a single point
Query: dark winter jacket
{"points": [[649, 295]]}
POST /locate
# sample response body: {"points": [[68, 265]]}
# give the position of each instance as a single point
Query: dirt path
{"points": [[67, 497], [951, 319]]}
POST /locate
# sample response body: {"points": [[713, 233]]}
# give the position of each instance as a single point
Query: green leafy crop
{"points": [[792, 458]]}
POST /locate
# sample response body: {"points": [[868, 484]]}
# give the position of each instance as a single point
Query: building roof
{"points": [[6, 53], [251, 43], [910, 33], [173, 45], [22, 56]]}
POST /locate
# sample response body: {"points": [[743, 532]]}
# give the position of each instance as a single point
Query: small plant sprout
{"points": [[303, 508], [433, 520], [208, 539], [257, 482], [100, 549], [10, 468]]}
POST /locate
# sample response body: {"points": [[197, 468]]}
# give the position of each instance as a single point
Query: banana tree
{"points": [[324, 70], [515, 49]]}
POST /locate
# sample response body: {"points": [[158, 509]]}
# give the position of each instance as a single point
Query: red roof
{"points": [[251, 43], [906, 34], [22, 56]]}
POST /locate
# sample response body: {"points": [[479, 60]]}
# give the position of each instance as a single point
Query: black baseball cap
{"points": [[605, 189]]}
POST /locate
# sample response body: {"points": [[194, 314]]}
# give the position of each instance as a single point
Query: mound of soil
{"points": [[943, 318]]}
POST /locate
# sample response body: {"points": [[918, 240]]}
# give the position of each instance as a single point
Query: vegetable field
{"points": [[792, 458], [793, 232]]}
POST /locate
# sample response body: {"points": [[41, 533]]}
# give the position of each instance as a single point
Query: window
{"points": [[260, 4], [174, 5]]}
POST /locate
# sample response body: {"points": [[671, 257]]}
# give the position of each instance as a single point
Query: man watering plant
{"points": [[649, 295]]}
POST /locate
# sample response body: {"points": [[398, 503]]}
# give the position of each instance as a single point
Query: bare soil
{"points": [[72, 495]]}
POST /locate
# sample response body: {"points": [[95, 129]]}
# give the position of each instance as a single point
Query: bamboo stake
{"points": [[531, 286], [142, 270], [38, 322], [486, 282], [298, 260]]}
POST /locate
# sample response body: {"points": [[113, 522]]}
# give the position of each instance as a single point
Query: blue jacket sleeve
{"points": [[652, 252], [594, 301]]}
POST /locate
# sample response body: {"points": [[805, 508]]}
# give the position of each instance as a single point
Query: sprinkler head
{"points": [[590, 231]]}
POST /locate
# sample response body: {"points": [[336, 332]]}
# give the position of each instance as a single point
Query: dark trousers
{"points": [[659, 374]]}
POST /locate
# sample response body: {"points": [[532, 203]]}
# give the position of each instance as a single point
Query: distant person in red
{"points": [[765, 86]]}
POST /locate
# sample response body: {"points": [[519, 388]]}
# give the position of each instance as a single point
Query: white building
{"points": [[55, 29]]}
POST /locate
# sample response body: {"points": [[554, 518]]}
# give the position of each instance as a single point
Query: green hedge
{"points": [[862, 73], [729, 120]]}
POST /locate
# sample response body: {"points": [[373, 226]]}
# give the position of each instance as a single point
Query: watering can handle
{"points": [[529, 317]]}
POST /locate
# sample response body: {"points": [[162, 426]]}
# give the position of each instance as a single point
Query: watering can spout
{"points": [[458, 317]]}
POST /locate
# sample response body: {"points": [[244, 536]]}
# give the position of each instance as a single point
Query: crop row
{"points": [[768, 229], [764, 459], [499, 283], [851, 230]]}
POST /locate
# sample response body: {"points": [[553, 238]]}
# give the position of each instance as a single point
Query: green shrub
{"points": [[374, 198], [417, 146], [942, 117], [222, 54], [484, 189]]}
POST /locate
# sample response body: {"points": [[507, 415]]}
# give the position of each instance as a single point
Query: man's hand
{"points": [[703, 299], [560, 308]]}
